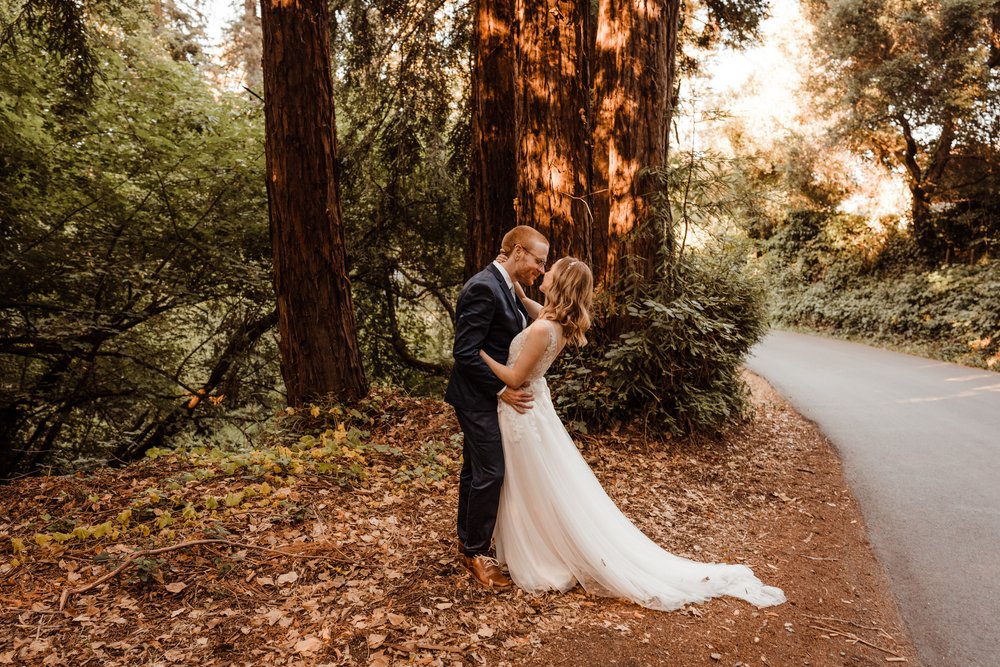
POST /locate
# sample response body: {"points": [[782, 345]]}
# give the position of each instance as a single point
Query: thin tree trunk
{"points": [[317, 331], [553, 123], [635, 53], [492, 169], [250, 46], [923, 231], [399, 343], [156, 433], [924, 185]]}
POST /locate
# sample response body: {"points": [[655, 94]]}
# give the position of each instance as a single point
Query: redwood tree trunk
{"points": [[318, 337], [634, 63], [493, 170], [553, 133]]}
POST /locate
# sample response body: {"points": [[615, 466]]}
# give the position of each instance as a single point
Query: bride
{"points": [[556, 526]]}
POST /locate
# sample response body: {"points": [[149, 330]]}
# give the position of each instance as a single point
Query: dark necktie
{"points": [[524, 322]]}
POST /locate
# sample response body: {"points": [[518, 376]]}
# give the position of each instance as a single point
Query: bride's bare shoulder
{"points": [[550, 327]]}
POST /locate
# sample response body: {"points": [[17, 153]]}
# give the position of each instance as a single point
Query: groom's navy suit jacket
{"points": [[486, 317]]}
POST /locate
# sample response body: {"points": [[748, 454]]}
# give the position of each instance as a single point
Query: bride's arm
{"points": [[534, 347], [533, 307]]}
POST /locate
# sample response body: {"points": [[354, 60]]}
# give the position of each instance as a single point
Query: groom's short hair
{"points": [[521, 235]]}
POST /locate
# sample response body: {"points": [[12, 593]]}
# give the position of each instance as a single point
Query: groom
{"points": [[487, 317]]}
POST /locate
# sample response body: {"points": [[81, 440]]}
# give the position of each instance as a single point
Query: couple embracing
{"points": [[523, 483]]}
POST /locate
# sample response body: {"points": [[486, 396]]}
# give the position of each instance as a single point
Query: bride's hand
{"points": [[501, 258]]}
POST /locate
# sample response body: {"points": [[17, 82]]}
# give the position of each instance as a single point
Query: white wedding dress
{"points": [[557, 527]]}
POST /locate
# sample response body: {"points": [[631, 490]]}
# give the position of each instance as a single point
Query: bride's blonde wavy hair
{"points": [[569, 298]]}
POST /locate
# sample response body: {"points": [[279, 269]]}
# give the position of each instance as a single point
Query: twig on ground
{"points": [[853, 638], [846, 622], [69, 592]]}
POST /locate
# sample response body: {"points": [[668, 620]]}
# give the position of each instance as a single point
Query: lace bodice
{"points": [[550, 354]]}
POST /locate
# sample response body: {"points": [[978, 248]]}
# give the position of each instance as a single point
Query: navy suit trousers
{"points": [[481, 479]]}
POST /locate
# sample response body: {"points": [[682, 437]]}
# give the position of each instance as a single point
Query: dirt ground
{"points": [[303, 571]]}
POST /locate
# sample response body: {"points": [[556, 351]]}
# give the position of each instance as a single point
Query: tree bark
{"points": [[492, 169], [634, 61], [553, 123], [924, 184], [317, 331]]}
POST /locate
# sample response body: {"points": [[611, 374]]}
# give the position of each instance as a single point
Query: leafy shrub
{"points": [[675, 368], [871, 285], [135, 290]]}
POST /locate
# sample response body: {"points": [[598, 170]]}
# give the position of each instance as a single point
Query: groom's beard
{"points": [[528, 279]]}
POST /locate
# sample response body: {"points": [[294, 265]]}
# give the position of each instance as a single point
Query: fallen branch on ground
{"points": [[853, 638], [846, 622], [67, 593]]}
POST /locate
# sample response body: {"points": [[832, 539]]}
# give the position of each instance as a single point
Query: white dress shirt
{"points": [[510, 288]]}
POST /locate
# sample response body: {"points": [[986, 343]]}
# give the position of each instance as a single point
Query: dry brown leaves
{"points": [[373, 579]]}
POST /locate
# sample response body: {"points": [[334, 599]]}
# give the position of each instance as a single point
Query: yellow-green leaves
{"points": [[164, 519], [106, 529]]}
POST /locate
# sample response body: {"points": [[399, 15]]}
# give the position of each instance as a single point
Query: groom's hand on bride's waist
{"points": [[519, 399]]}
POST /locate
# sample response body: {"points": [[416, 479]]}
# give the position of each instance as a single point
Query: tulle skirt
{"points": [[557, 528]]}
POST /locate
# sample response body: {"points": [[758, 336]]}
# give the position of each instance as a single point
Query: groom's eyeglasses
{"points": [[538, 260]]}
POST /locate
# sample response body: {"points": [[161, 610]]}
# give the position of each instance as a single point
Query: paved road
{"points": [[920, 442]]}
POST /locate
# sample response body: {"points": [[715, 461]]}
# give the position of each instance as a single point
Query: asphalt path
{"points": [[920, 444]]}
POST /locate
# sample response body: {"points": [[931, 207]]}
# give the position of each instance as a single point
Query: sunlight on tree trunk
{"points": [[553, 138], [634, 60], [318, 337], [492, 169]]}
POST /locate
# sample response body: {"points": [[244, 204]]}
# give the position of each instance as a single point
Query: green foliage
{"points": [[134, 263], [402, 125], [61, 26], [707, 24], [835, 273], [667, 353], [914, 86], [969, 228], [434, 462], [676, 368], [136, 307], [926, 61], [834, 248], [148, 571], [331, 441]]}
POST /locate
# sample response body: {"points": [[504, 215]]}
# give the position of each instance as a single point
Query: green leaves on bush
{"points": [[676, 366], [831, 272]]}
